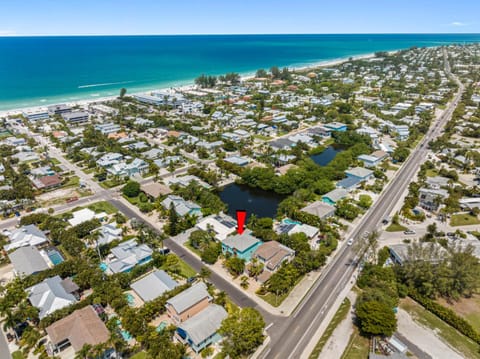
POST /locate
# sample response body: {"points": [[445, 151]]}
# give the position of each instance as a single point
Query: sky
{"points": [[136, 17]]}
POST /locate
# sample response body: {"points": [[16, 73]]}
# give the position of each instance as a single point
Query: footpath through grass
{"points": [[453, 337], [339, 316]]}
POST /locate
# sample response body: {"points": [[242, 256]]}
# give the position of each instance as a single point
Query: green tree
{"points": [[131, 189], [123, 91], [235, 265], [376, 318], [242, 333], [365, 201]]}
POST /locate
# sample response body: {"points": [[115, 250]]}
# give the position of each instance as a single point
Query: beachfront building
{"points": [[59, 109], [241, 245], [36, 115], [76, 118]]}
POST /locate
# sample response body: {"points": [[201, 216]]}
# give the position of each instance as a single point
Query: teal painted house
{"points": [[241, 246]]}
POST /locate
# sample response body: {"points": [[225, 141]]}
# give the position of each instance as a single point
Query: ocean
{"points": [[37, 71]]}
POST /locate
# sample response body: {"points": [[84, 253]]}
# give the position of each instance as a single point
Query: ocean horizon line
{"points": [[239, 34]]}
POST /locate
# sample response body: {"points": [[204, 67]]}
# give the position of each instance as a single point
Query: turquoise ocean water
{"points": [[37, 71]]}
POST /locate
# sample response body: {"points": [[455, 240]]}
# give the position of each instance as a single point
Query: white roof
{"points": [[221, 230], [84, 215], [310, 231]]}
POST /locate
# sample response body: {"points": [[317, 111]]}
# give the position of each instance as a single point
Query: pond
{"points": [[253, 200], [324, 158]]}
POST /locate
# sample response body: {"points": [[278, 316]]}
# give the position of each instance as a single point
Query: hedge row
{"points": [[448, 316]]}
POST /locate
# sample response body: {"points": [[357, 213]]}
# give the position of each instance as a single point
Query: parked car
{"points": [[409, 232]]}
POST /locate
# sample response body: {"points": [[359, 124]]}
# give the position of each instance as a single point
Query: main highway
{"points": [[290, 336]]}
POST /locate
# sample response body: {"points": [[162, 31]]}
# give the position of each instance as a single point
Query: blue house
{"points": [[336, 126], [241, 245], [126, 256], [349, 183]]}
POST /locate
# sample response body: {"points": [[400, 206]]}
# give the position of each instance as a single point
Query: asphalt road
{"points": [[4, 351], [237, 295], [288, 339]]}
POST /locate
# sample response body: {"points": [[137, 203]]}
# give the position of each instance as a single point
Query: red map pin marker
{"points": [[241, 217]]}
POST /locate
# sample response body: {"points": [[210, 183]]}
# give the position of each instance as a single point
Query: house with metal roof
{"points": [[241, 245], [153, 285], [201, 330], [361, 173], [27, 260], [334, 196], [50, 295], [127, 255], [181, 206], [222, 225], [320, 209], [29, 235], [188, 303]]}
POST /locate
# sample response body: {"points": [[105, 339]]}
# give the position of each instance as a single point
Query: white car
{"points": [[350, 242]]}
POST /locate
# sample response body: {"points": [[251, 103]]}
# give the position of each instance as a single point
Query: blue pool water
{"points": [[55, 257], [103, 267], [70, 68], [130, 298], [161, 326], [290, 221]]}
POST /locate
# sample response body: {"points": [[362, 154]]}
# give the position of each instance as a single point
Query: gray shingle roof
{"points": [[204, 324], [189, 297], [27, 260], [153, 285]]}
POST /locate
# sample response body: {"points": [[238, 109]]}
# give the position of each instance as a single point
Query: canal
{"points": [[325, 157], [253, 200]]}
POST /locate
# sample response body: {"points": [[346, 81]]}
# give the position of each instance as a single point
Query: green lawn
{"points": [[139, 355], [339, 316], [465, 219], [18, 355], [192, 248], [73, 181], [103, 206], [396, 228], [432, 173], [275, 301], [466, 346], [111, 183], [358, 347], [54, 161], [468, 308]]}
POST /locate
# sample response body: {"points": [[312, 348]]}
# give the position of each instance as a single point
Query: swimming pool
{"points": [[125, 335], [291, 221], [103, 267], [161, 326], [55, 257], [130, 299]]}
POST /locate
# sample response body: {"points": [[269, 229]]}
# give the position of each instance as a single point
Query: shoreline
{"points": [[188, 86]]}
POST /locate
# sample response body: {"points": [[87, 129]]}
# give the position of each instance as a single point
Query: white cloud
{"points": [[7, 33], [458, 24]]}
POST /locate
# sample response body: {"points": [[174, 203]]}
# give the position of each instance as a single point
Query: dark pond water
{"points": [[324, 158], [253, 200]]}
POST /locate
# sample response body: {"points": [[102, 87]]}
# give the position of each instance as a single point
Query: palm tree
{"points": [[204, 273]]}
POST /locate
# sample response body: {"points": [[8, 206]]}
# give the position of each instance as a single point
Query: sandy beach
{"points": [[190, 86]]}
